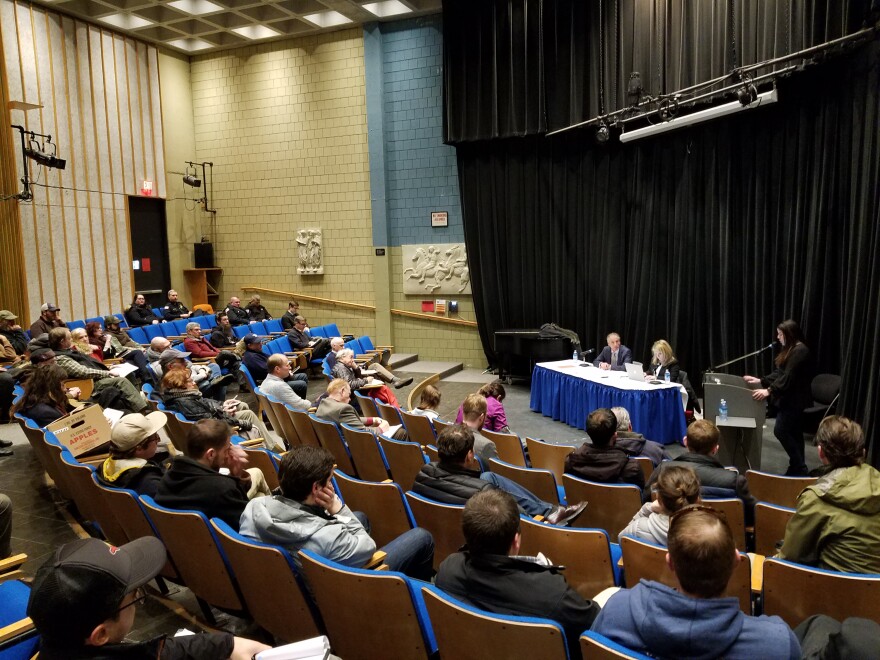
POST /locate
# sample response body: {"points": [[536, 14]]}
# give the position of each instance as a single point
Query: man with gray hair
{"points": [[635, 444], [337, 344]]}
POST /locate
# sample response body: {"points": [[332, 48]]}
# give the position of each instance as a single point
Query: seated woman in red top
{"points": [[496, 418]]}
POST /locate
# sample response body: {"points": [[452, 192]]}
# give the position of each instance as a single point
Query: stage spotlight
{"points": [[747, 94], [190, 180], [36, 152], [602, 133]]}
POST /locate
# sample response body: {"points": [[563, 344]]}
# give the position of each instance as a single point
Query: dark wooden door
{"points": [[149, 248]]}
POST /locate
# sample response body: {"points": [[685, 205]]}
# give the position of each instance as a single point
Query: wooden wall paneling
{"points": [[134, 116], [156, 124], [101, 173], [77, 158], [117, 173], [143, 90]]}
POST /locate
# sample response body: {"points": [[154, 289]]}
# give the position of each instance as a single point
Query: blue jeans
{"points": [[527, 501], [411, 553], [299, 383]]}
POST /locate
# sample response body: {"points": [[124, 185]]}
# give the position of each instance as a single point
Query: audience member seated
{"points": [[347, 369], [12, 332], [180, 394], [49, 319], [112, 327], [836, 525], [287, 319], [663, 360], [474, 417], [175, 309], [80, 343], [199, 347], [256, 311], [614, 355], [696, 622], [133, 444], [429, 401], [824, 638], [635, 444], [308, 515], [676, 487], [702, 445], [337, 344], [237, 314], [222, 335], [207, 377], [5, 526], [336, 407], [77, 365], [194, 480], [140, 313], [83, 602], [602, 461], [8, 356], [257, 363], [489, 574], [45, 398], [112, 348], [456, 477], [300, 341], [279, 386], [496, 418]]}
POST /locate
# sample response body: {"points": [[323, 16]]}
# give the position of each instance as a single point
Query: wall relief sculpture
{"points": [[436, 269], [310, 252]]}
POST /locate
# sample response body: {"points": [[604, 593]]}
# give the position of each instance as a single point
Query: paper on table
{"points": [[124, 369], [317, 647]]}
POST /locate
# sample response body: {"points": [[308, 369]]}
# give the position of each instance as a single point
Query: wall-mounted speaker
{"points": [[203, 254]]}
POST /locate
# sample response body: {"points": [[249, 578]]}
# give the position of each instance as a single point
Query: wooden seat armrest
{"points": [[254, 442], [620, 562], [202, 360], [376, 560], [13, 630], [382, 567], [171, 337], [313, 409], [757, 562], [112, 360], [382, 348], [12, 562], [538, 518], [277, 334], [94, 460], [14, 575]]}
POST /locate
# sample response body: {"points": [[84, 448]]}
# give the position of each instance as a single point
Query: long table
{"points": [[568, 392]]}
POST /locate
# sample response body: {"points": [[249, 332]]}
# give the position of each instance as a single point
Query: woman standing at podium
{"points": [[789, 387]]}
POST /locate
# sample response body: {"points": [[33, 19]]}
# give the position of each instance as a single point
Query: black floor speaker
{"points": [[203, 254]]}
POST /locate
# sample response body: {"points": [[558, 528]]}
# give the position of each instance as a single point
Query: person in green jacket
{"points": [[836, 525]]}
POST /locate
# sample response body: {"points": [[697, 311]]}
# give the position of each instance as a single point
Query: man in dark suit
{"points": [[615, 355]]}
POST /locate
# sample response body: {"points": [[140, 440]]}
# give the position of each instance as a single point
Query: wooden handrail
{"points": [[369, 308]]}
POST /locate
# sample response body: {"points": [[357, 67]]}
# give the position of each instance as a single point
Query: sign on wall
{"points": [[436, 269]]}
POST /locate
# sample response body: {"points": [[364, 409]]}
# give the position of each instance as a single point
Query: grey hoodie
{"points": [[647, 525], [296, 526]]}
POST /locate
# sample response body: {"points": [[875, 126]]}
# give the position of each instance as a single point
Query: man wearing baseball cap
{"points": [[49, 319], [12, 331], [257, 363], [83, 603], [133, 444]]}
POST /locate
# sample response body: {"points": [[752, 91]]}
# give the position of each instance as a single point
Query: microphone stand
{"points": [[738, 359]]}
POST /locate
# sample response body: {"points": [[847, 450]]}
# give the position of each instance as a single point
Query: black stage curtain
{"points": [[707, 236], [522, 67]]}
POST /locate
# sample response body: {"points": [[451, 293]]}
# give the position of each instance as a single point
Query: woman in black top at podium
{"points": [[789, 387]]}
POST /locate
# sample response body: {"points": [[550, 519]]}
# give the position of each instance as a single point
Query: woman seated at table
{"points": [[346, 369], [45, 398], [676, 487], [496, 417], [663, 360], [181, 394]]}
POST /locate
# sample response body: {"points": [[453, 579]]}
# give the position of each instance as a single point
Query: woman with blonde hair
{"points": [[662, 360], [80, 343], [676, 487]]}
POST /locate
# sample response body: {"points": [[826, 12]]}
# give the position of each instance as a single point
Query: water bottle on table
{"points": [[722, 410], [574, 356], [667, 377]]}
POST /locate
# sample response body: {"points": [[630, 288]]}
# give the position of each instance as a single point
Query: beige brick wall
{"points": [[285, 126], [433, 341]]}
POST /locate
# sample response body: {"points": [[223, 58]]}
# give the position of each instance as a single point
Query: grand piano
{"points": [[519, 350]]}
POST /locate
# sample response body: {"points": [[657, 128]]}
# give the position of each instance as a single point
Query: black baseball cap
{"points": [[84, 583]]}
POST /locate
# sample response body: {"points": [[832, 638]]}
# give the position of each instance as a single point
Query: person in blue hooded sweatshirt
{"points": [[696, 622]]}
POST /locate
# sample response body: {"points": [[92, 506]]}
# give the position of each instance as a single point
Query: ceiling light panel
{"points": [[196, 7], [327, 19], [256, 32], [125, 21], [386, 8], [190, 45]]}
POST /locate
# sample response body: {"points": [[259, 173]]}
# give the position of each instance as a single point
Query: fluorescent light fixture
{"points": [[256, 32], [126, 21], [195, 7], [698, 117], [387, 8], [190, 45], [326, 19]]}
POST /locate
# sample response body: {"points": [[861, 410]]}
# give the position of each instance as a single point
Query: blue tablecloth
{"points": [[656, 413]]}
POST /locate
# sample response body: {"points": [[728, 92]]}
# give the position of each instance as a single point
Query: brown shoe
{"points": [[563, 516], [401, 382]]}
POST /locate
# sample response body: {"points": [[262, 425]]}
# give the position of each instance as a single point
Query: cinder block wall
{"points": [[285, 125]]}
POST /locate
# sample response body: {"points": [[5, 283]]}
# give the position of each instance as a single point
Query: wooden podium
{"points": [[742, 433]]}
